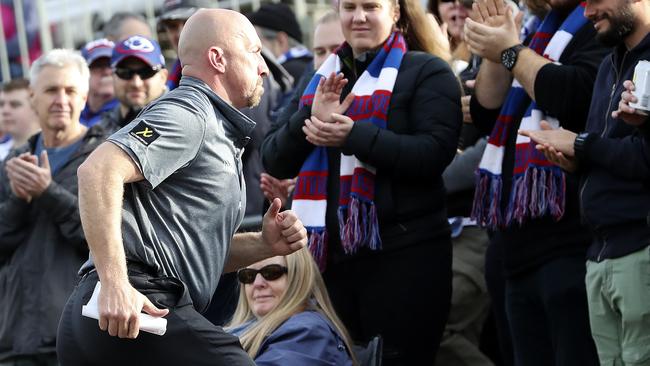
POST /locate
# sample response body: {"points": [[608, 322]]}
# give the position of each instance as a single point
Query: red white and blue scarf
{"points": [[357, 213], [538, 186]]}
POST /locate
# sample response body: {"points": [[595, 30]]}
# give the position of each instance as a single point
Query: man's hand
{"points": [[492, 36], [557, 158], [560, 139], [489, 12], [18, 190], [328, 96], [276, 188], [119, 306], [331, 134], [26, 176], [625, 112], [282, 232]]}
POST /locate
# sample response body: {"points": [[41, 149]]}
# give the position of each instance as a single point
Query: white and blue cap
{"points": [[94, 50], [140, 47]]}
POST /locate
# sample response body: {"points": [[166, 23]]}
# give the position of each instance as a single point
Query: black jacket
{"points": [[615, 164], [563, 91], [424, 119], [112, 120], [42, 246]]}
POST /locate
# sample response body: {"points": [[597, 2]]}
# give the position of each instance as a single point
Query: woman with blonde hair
{"points": [[285, 317], [374, 130]]}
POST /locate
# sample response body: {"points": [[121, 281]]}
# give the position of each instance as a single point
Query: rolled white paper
{"points": [[148, 323]]}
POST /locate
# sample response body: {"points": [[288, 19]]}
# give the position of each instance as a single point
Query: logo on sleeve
{"points": [[144, 133]]}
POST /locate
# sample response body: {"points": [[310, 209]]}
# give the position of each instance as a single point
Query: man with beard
{"points": [[612, 157], [531, 205], [160, 203], [139, 77]]}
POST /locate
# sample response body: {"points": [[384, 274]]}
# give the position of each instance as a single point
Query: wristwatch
{"points": [[580, 143], [509, 56]]}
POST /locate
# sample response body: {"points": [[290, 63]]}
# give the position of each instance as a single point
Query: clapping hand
{"points": [[27, 178], [327, 99]]}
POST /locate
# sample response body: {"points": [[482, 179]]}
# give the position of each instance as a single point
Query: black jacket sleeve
{"points": [[564, 91], [14, 214], [285, 146], [435, 118], [626, 157], [483, 118]]}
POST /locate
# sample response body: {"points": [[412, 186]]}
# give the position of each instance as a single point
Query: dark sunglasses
{"points": [[270, 272], [144, 73]]}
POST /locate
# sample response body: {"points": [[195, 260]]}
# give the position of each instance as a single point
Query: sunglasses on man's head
{"points": [[144, 73], [269, 272]]}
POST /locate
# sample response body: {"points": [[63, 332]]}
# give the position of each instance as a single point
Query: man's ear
{"points": [[217, 59]]}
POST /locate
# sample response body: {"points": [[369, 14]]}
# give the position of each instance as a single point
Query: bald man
{"points": [[160, 202]]}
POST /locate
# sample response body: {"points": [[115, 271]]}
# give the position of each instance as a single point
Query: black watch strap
{"points": [[581, 142]]}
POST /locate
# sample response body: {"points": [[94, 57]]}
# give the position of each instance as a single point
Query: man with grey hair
{"points": [[42, 244], [124, 24], [280, 33]]}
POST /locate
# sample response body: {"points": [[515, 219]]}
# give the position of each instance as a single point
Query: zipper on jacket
{"points": [[602, 134], [602, 249]]}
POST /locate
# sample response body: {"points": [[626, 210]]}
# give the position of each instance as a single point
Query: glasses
{"points": [[270, 272], [144, 73]]}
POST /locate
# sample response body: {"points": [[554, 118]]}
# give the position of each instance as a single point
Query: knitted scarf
{"points": [[357, 213], [538, 186]]}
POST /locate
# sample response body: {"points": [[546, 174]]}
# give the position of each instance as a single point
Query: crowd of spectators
{"points": [[472, 177]]}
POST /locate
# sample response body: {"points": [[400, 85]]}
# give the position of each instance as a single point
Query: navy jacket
{"points": [[306, 338], [615, 164]]}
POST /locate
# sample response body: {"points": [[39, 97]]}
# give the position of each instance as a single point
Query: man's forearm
{"points": [[246, 249], [492, 84], [100, 201], [525, 71]]}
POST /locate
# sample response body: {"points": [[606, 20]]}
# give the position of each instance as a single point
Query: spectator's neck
{"points": [[64, 137]]}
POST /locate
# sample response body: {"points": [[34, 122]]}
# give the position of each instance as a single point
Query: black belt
{"points": [[132, 267]]}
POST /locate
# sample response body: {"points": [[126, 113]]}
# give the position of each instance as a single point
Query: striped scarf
{"points": [[538, 186], [357, 213]]}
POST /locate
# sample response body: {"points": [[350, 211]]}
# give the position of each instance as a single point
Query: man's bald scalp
{"points": [[208, 28]]}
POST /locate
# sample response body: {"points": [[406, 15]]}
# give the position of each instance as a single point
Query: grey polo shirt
{"points": [[181, 219]]}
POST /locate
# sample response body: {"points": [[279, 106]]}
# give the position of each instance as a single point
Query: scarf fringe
{"points": [[317, 245], [360, 227], [487, 197], [540, 191]]}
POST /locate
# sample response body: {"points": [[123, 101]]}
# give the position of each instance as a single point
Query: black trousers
{"points": [[190, 338], [496, 283], [548, 315], [404, 295]]}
